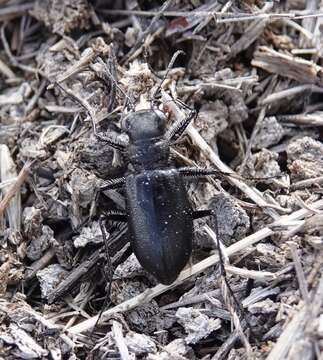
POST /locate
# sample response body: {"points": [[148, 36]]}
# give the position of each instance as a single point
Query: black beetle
{"points": [[158, 210]]}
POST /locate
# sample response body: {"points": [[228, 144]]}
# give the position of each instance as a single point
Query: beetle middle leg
{"points": [[111, 140]]}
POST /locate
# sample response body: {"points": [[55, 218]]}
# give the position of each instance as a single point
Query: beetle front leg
{"points": [[178, 128], [110, 140]]}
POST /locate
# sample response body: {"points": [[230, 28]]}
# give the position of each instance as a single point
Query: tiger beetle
{"points": [[158, 210]]}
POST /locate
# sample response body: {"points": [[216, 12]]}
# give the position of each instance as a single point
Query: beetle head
{"points": [[144, 125]]}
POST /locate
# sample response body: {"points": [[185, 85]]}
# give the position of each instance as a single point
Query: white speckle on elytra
{"points": [[166, 222]]}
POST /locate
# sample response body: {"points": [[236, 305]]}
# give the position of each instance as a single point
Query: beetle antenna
{"points": [[169, 67]]}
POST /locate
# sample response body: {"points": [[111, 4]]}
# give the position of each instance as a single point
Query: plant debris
{"points": [[253, 71]]}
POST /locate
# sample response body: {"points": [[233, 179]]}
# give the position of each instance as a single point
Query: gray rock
{"points": [[197, 325], [270, 133]]}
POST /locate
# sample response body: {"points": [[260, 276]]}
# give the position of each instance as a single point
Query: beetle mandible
{"points": [[158, 211]]}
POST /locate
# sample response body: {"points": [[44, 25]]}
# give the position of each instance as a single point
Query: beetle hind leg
{"points": [[108, 269], [198, 214], [108, 273]]}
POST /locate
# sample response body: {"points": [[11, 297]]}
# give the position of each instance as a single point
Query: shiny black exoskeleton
{"points": [[159, 213]]}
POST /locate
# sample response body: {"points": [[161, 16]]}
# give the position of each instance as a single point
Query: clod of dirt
{"points": [[98, 159], [139, 343], [176, 350], [212, 119], [32, 149], [63, 16], [32, 220], [196, 324], [263, 165], [138, 78], [82, 187], [130, 269], [40, 243], [268, 254], [263, 307], [270, 133], [49, 278], [305, 148], [233, 221], [144, 318], [305, 158]]}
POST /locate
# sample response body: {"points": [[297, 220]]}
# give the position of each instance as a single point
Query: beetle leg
{"points": [[195, 172], [105, 240], [177, 129], [109, 185], [113, 184], [109, 273], [116, 215], [198, 214], [110, 140]]}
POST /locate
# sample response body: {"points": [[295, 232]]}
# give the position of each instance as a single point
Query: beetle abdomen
{"points": [[160, 222]]}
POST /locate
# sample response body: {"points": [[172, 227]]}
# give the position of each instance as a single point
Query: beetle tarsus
{"points": [[111, 141]]}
